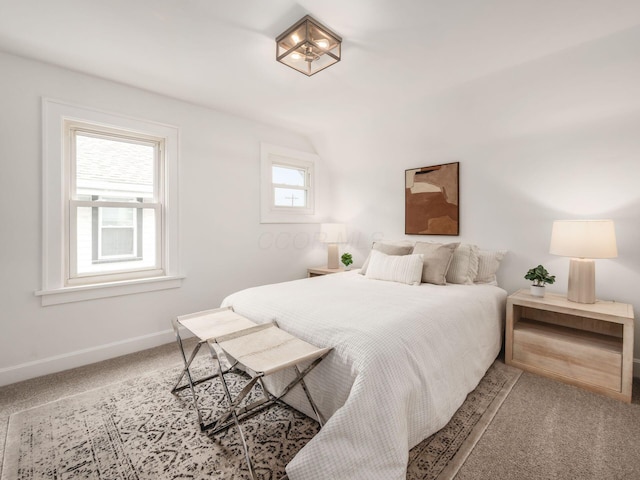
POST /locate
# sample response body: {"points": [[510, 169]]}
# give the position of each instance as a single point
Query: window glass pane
{"points": [[288, 176], [106, 249], [117, 242], [119, 217], [289, 197], [113, 167]]}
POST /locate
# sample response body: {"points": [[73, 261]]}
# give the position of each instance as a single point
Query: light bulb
{"points": [[324, 43], [296, 56], [295, 38]]}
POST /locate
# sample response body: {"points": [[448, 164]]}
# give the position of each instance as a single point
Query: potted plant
{"points": [[540, 277], [347, 260]]}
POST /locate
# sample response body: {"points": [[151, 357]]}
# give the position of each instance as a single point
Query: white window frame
{"points": [[273, 155], [57, 232], [71, 128]]}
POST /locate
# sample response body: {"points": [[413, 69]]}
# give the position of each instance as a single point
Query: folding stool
{"points": [[262, 350], [205, 325]]}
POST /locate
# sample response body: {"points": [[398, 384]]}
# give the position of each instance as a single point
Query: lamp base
{"points": [[332, 256], [582, 281]]}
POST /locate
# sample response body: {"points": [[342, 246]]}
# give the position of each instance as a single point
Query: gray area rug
{"points": [[137, 430]]}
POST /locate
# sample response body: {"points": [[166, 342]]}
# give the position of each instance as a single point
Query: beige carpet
{"points": [[547, 430], [137, 430]]}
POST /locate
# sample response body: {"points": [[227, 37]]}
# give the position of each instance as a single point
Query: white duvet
{"points": [[404, 359]]}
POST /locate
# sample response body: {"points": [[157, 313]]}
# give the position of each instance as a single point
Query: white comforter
{"points": [[404, 359]]}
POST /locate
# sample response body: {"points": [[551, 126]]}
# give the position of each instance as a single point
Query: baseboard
{"points": [[58, 363]]}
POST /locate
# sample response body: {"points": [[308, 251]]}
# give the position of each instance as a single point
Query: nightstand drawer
{"points": [[580, 356]]}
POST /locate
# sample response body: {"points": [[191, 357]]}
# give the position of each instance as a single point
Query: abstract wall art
{"points": [[432, 200]]}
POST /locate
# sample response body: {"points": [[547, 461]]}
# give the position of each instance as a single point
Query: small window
{"points": [[288, 185]]}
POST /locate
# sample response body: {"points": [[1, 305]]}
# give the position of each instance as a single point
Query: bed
{"points": [[404, 358]]}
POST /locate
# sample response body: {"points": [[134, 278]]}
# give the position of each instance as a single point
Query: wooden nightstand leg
{"points": [[627, 361], [508, 345]]}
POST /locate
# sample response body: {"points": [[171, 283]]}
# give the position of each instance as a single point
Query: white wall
{"points": [[551, 139], [223, 246]]}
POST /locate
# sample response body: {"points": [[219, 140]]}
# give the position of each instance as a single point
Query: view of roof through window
{"points": [[109, 167]]}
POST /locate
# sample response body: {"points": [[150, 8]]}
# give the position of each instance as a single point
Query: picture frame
{"points": [[432, 205]]}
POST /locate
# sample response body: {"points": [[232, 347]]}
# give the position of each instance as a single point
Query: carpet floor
{"points": [[547, 430], [136, 429]]}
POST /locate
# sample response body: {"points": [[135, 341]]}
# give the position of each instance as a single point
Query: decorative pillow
{"points": [[488, 265], [388, 249], [395, 268], [437, 258], [464, 265]]}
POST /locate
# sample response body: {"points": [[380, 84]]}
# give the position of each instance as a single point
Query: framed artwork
{"points": [[432, 201]]}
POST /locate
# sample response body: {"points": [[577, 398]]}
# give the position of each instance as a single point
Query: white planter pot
{"points": [[537, 291]]}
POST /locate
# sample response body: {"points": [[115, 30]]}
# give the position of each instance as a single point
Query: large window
{"points": [[115, 203], [115, 182], [288, 185]]}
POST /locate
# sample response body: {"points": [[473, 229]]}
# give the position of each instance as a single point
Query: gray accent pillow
{"points": [[387, 249], [488, 265], [437, 258], [464, 265]]}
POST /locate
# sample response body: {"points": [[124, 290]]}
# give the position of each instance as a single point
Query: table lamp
{"points": [[583, 240], [332, 234]]}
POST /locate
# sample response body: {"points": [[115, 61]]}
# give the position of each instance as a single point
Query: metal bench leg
{"points": [[300, 379], [191, 383], [232, 410], [306, 391], [187, 365], [185, 371]]}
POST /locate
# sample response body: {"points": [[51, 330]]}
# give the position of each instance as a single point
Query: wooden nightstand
{"points": [[317, 271], [588, 345]]}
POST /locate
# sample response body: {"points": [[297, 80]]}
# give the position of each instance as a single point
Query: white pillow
{"points": [[395, 268], [464, 265], [488, 265], [390, 248]]}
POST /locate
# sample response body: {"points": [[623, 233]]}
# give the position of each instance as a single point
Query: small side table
{"points": [[589, 345], [318, 271]]}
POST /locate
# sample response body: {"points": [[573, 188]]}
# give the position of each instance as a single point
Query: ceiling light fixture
{"points": [[308, 46]]}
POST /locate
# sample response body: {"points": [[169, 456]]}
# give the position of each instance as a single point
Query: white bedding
{"points": [[404, 359]]}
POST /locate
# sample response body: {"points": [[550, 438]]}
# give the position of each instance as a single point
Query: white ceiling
{"points": [[221, 53]]}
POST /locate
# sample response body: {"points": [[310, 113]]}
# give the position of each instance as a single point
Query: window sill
{"points": [[104, 290]]}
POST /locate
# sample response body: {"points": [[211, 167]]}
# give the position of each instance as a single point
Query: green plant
{"points": [[539, 276], [347, 259]]}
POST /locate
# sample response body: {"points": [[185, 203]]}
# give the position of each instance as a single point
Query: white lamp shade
{"points": [[584, 239], [333, 233]]}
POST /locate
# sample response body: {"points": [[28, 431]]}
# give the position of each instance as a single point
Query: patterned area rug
{"points": [[137, 430], [443, 453]]}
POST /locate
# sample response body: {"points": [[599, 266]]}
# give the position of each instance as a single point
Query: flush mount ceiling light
{"points": [[308, 46]]}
